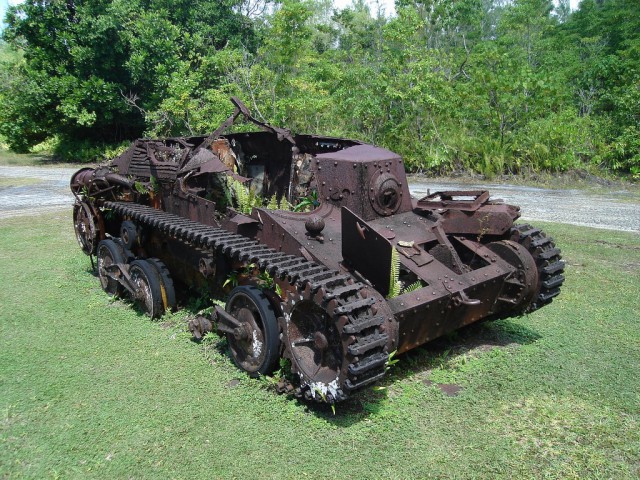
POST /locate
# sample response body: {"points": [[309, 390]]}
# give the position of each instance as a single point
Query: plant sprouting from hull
{"points": [[396, 287], [309, 202], [394, 275], [246, 199]]}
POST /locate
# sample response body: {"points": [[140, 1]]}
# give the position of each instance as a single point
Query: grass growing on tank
{"points": [[92, 389]]}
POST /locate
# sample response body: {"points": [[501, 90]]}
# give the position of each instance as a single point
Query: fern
{"points": [[253, 200], [285, 205], [245, 198], [410, 288], [272, 204], [394, 275]]}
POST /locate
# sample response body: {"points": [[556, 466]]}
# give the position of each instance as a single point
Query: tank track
{"points": [[362, 335], [548, 260]]}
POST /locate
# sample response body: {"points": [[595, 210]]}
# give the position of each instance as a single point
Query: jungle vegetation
{"points": [[490, 86]]}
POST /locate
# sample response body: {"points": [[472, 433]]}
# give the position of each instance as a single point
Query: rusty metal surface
{"points": [[469, 212], [361, 244], [326, 273], [369, 181]]}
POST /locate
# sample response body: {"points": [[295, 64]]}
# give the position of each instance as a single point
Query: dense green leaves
{"points": [[96, 70], [482, 85]]}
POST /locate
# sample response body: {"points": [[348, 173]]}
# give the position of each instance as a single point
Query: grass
{"points": [[8, 158], [17, 181], [89, 388]]}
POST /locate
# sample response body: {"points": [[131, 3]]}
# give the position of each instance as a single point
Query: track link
{"points": [[364, 342], [548, 260]]}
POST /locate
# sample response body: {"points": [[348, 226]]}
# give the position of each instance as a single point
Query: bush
{"points": [[86, 151], [624, 153], [558, 142]]}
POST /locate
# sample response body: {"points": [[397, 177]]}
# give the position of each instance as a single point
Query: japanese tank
{"points": [[322, 254]]}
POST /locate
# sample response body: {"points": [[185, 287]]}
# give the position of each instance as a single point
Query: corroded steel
{"points": [[344, 266]]}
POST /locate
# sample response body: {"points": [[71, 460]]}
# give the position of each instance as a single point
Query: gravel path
{"points": [[48, 189], [613, 210]]}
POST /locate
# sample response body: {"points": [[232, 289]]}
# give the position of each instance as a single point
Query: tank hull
{"points": [[326, 259]]}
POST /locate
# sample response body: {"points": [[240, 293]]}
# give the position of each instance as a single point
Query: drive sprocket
{"points": [[334, 338]]}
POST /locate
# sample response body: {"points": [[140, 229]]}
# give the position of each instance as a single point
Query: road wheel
{"points": [[109, 253], [129, 234], [148, 288], [169, 295], [254, 346]]}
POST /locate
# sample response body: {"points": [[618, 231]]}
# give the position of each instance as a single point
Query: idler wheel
{"points": [[254, 344], [86, 224], [109, 253], [520, 289], [548, 261]]}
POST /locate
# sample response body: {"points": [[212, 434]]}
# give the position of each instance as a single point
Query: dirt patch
{"points": [[34, 190], [449, 389], [616, 245], [612, 207], [6, 182]]}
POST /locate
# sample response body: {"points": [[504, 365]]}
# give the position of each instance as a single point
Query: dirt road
{"points": [[33, 190], [612, 209]]}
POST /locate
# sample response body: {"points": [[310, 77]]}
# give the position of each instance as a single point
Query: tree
{"points": [[86, 64], [607, 37]]}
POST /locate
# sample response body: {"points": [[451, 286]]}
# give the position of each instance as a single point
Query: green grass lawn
{"points": [[8, 158], [89, 388]]}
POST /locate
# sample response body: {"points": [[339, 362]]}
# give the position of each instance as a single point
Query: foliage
{"points": [[96, 70], [274, 203], [245, 198], [475, 85], [395, 286], [391, 361], [309, 202]]}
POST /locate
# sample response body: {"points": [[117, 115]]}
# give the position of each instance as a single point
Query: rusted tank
{"points": [[316, 242]]}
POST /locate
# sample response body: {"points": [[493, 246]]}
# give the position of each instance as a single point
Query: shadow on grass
{"points": [[474, 340], [21, 159]]}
